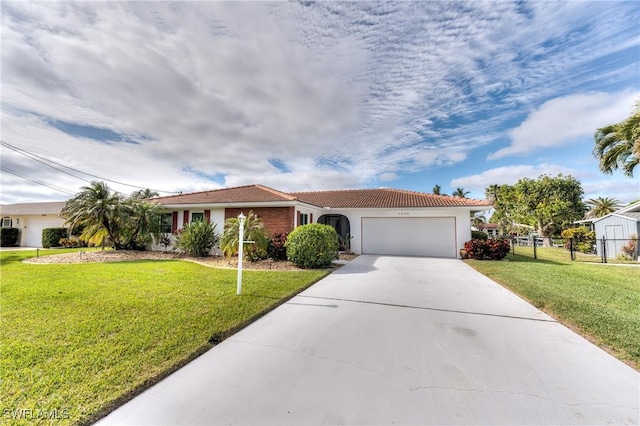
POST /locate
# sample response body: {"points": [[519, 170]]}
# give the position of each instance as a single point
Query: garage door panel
{"points": [[409, 236]]}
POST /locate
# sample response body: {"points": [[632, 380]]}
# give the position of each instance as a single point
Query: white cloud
{"points": [[219, 88], [508, 175], [565, 120]]}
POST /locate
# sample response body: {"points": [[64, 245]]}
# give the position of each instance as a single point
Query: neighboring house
{"points": [[375, 221], [490, 228], [31, 219], [617, 229]]}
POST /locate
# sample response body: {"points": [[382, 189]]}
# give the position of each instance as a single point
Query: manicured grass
{"points": [[82, 338], [601, 302]]}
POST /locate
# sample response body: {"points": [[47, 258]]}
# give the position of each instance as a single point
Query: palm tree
{"points": [[253, 231], [436, 190], [492, 192], [96, 209], [617, 146], [477, 221], [144, 194], [460, 193], [141, 224], [600, 206]]}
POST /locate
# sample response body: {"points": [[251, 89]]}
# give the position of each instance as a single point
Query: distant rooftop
{"points": [[23, 209]]}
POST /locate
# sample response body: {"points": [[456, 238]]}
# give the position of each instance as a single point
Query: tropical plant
{"points": [[96, 208], [581, 239], [144, 194], [197, 238], [477, 221], [277, 249], [102, 213], [165, 240], [630, 250], [460, 193], [437, 190], [313, 246], [495, 248], [141, 224], [617, 146], [600, 206], [254, 231], [492, 193], [548, 203]]}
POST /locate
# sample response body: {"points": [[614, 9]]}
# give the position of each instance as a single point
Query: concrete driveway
{"points": [[395, 340]]}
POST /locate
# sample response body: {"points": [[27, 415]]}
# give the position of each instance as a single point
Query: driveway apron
{"points": [[397, 340]]}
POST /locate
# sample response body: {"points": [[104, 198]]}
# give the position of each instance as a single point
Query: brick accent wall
{"points": [[275, 219]]}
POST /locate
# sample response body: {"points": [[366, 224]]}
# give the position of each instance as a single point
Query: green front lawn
{"points": [[82, 338], [601, 302]]}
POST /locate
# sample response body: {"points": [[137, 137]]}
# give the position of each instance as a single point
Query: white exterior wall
{"points": [[463, 221], [30, 227]]}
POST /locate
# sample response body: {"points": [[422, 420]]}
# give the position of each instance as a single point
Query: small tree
{"points": [[313, 246], [197, 238], [583, 239]]}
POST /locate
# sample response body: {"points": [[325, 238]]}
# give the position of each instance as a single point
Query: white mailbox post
{"points": [[241, 219]]}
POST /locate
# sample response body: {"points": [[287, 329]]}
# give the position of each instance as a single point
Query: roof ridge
{"points": [[276, 192], [217, 190]]}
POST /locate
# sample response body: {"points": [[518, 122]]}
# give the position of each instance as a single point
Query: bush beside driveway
{"points": [[77, 339]]}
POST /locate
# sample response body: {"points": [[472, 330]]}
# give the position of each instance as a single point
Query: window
{"points": [[6, 222], [166, 220], [304, 219], [197, 217]]}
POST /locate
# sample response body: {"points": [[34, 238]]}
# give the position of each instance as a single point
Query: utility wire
{"points": [[64, 191], [37, 158]]}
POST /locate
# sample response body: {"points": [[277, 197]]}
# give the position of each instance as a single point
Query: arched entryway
{"points": [[341, 224]]}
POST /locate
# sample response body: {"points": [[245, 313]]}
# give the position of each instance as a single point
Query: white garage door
{"points": [[415, 236], [35, 225]]}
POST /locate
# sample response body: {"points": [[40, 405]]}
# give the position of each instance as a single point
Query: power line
{"points": [[37, 158], [64, 191]]}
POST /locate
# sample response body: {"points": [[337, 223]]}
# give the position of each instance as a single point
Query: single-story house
{"points": [[492, 229], [31, 219], [375, 221], [617, 229]]}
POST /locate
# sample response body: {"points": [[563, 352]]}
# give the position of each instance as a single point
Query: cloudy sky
{"points": [[312, 95]]}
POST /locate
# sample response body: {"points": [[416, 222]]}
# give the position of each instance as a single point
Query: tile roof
{"points": [[348, 198], [239, 194], [383, 198], [22, 209]]}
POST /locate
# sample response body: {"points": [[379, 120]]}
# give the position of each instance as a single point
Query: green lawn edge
{"points": [[599, 302], [267, 299], [213, 341]]}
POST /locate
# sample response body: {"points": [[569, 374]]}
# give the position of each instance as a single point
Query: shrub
{"points": [[8, 237], [71, 242], [479, 235], [495, 249], [630, 250], [197, 238], [583, 239], [277, 249], [51, 236], [253, 231], [313, 246]]}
